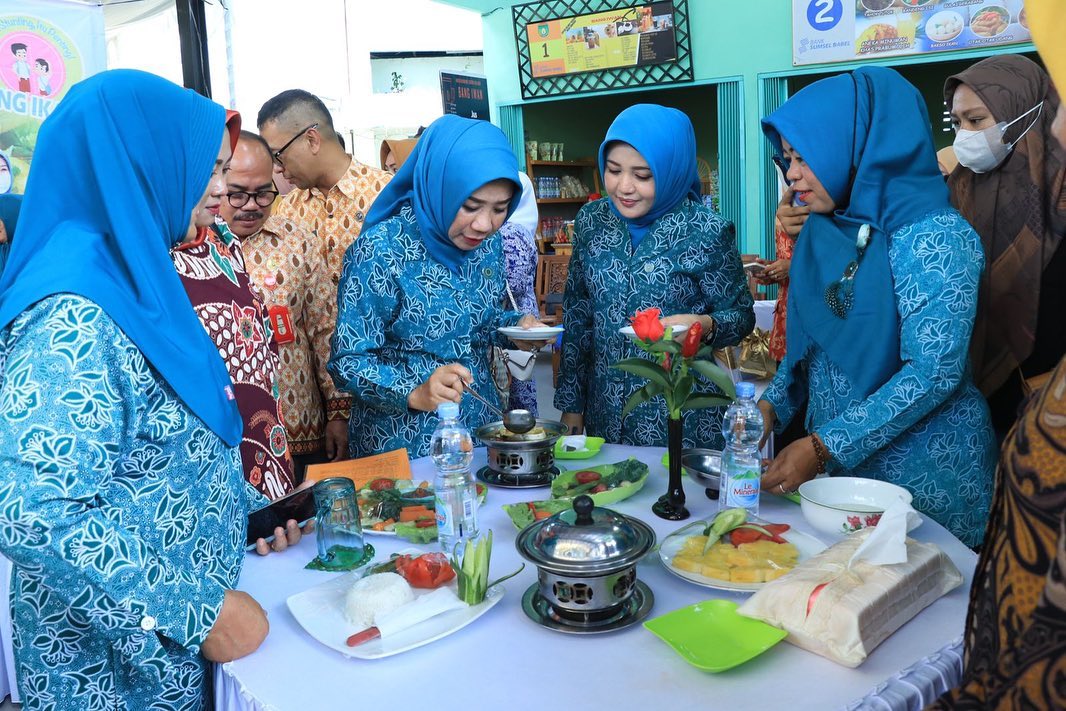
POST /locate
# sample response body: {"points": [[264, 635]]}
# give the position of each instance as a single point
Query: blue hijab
{"points": [[664, 137], [866, 137], [453, 158], [118, 168], [9, 215]]}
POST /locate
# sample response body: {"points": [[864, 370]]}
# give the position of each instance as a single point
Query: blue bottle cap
{"points": [[448, 410], [744, 390]]}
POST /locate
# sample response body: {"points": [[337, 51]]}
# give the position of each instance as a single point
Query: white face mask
{"points": [[981, 151]]}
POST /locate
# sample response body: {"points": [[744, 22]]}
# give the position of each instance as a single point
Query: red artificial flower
{"points": [[647, 326], [691, 346]]}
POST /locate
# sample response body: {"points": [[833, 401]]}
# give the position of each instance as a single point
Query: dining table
{"points": [[504, 659]]}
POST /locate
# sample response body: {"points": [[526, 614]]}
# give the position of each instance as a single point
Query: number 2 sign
{"points": [[823, 15]]}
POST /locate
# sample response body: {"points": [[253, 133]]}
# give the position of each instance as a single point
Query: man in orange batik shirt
{"points": [[333, 190], [287, 263]]}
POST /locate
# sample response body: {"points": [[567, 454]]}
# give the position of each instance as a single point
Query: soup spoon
{"points": [[517, 421]]}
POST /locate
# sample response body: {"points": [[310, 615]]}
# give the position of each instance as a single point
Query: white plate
{"points": [[320, 611], [807, 546], [628, 330], [530, 334]]}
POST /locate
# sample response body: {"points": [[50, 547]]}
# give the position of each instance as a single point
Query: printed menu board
{"points": [[625, 37], [846, 30]]}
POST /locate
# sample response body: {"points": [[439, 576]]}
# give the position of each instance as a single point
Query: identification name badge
{"points": [[281, 322]]}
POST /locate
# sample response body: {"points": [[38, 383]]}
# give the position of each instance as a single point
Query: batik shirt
{"points": [[122, 513], [687, 263], [1016, 626], [286, 262], [927, 428], [520, 256], [232, 312], [337, 215], [401, 315]]}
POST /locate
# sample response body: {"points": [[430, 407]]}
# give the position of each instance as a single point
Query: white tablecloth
{"points": [[505, 660]]}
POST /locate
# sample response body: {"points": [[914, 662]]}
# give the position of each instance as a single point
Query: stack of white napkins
{"points": [[418, 610], [575, 443], [848, 599]]}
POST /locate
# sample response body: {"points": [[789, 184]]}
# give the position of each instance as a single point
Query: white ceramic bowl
{"points": [[845, 504]]}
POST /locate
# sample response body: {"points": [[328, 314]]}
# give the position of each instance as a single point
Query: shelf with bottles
{"points": [[585, 163], [563, 182]]}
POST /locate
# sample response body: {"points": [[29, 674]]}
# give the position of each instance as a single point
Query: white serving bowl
{"points": [[845, 504]]}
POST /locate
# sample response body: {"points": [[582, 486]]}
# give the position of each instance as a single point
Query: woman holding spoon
{"points": [[419, 298]]}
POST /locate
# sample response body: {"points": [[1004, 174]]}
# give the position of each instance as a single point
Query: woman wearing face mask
{"points": [[1009, 186], [881, 303], [419, 298], [650, 243]]}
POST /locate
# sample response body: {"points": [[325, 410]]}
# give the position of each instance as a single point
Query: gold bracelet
{"points": [[821, 452]]}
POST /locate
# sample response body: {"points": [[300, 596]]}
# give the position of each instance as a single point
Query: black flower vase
{"points": [[671, 505]]}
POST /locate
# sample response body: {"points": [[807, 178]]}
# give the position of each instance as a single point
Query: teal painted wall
{"points": [[750, 39]]}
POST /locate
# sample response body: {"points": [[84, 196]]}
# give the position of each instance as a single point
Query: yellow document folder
{"points": [[387, 465]]}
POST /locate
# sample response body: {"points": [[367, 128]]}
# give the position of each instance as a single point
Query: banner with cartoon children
{"points": [[46, 46]]}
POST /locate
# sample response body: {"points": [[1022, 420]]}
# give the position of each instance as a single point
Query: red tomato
{"points": [[599, 488], [586, 477], [744, 535], [429, 570], [425, 523]]}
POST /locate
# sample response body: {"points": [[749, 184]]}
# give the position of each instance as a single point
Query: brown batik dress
{"points": [[212, 270]]}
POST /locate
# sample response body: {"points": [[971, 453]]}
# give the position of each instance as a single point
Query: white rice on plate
{"points": [[376, 595]]}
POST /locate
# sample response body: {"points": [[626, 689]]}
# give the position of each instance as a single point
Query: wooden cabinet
{"points": [[586, 171]]}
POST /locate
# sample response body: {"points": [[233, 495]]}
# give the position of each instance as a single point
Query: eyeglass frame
{"points": [[276, 155], [254, 196]]}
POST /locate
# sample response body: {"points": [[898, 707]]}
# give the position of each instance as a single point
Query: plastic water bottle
{"points": [[741, 467], [452, 449]]}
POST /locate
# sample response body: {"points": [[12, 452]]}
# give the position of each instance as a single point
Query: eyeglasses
{"points": [[277, 154], [262, 198]]}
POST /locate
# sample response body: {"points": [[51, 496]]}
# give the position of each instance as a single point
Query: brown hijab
{"points": [[401, 148], [1018, 209]]}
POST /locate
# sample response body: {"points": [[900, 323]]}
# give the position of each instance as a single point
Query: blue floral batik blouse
{"points": [[401, 315], [123, 515], [927, 429], [687, 263]]}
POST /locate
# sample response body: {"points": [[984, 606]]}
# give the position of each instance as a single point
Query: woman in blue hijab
{"points": [[121, 489], [419, 297], [881, 304], [651, 243]]}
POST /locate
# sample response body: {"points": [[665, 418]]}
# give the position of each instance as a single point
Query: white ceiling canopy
{"points": [[122, 12]]}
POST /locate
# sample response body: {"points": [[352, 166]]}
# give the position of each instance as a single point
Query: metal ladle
{"points": [[517, 421]]}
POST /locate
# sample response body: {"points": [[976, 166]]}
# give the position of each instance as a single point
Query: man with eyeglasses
{"points": [[286, 262], [333, 190]]}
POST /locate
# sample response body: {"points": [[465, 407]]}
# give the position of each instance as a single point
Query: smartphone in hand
{"points": [[298, 506], [754, 268]]}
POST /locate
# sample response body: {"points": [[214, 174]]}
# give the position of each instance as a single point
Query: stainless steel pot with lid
{"points": [[586, 560], [519, 462]]}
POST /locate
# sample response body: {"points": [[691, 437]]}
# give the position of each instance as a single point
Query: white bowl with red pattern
{"points": [[845, 504]]}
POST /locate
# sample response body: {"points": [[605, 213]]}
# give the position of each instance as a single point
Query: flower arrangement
{"points": [[671, 373]]}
